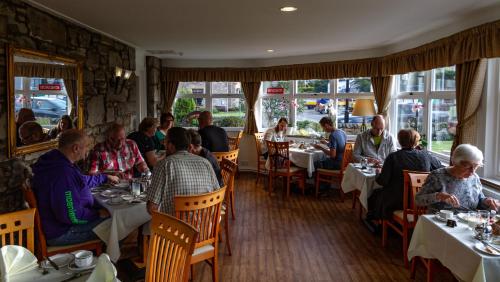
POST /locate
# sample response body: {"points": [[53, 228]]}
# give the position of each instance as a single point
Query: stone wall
{"points": [[25, 26], [154, 101]]}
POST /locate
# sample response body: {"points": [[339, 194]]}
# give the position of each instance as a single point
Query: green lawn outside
{"points": [[442, 147], [229, 114]]}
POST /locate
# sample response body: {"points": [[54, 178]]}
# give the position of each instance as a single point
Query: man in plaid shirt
{"points": [[181, 173], [117, 154]]}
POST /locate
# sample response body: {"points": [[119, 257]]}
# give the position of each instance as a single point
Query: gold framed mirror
{"points": [[44, 98]]}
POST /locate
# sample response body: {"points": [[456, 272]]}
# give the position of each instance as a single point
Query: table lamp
{"points": [[363, 108]]}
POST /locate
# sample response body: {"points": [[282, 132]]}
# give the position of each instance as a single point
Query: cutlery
{"points": [[486, 244], [56, 267]]}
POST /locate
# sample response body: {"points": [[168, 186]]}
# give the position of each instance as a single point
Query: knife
{"points": [[54, 265], [490, 245]]}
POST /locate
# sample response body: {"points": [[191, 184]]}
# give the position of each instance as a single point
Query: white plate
{"points": [[115, 203], [60, 259], [480, 247], [495, 240], [121, 185], [72, 266], [127, 197], [107, 193], [462, 216], [438, 217]]}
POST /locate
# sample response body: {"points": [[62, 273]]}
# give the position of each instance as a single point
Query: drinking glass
{"points": [[484, 216], [136, 188], [473, 219]]}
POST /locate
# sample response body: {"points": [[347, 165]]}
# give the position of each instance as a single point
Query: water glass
{"points": [[473, 219], [136, 188], [484, 216]]}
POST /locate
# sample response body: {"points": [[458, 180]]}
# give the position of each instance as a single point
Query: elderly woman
{"points": [[64, 123], [275, 134], [385, 201], [457, 185]]}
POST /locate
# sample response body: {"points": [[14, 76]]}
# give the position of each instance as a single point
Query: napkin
{"points": [[104, 271], [15, 260]]}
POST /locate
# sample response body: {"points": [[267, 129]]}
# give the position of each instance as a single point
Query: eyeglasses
{"points": [[470, 166]]}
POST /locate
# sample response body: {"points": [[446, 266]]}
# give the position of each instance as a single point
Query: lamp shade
{"points": [[363, 108]]}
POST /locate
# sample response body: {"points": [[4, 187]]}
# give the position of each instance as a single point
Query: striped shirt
{"points": [[180, 174]]}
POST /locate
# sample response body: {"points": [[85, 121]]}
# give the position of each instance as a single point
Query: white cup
{"points": [[446, 214], [83, 258]]}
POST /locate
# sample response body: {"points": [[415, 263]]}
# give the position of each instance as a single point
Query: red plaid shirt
{"points": [[103, 157]]}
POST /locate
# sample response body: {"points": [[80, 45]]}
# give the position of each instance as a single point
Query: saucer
{"points": [[72, 265], [60, 259]]}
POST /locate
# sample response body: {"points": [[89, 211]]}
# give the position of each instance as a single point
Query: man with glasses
{"points": [[375, 144]]}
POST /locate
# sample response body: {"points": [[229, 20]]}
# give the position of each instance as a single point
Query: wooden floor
{"points": [[303, 239]]}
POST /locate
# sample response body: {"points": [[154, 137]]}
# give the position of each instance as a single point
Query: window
{"points": [[224, 99], [425, 101], [305, 102]]}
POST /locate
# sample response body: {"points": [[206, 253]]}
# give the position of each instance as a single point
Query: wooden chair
{"points": [[234, 142], [261, 162], [43, 250], [203, 212], [280, 165], [17, 228], [170, 249], [228, 171], [335, 176], [232, 156], [404, 220]]}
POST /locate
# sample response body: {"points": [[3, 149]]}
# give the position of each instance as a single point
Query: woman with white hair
{"points": [[457, 186]]}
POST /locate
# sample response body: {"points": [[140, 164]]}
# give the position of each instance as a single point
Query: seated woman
{"points": [[166, 122], [457, 185], [383, 202], [64, 123], [275, 134]]}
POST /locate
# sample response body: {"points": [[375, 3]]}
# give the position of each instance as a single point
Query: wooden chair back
{"points": [[348, 156], [30, 198], [259, 139], [228, 170], [17, 228], [413, 182], [234, 142], [203, 213], [231, 155], [279, 155], [171, 246]]}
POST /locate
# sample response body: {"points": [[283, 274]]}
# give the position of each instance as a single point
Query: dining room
{"points": [[293, 141]]}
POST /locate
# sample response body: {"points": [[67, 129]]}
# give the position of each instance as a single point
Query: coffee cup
{"points": [[446, 214], [83, 258]]}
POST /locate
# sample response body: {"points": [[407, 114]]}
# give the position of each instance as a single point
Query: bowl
{"points": [[83, 258]]}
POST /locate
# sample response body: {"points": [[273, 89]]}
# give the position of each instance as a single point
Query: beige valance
{"points": [[24, 69], [478, 42]]}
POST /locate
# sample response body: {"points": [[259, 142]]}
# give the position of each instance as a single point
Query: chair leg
{"points": [[354, 199], [145, 248], [258, 172], [384, 232], [430, 270], [215, 269], [413, 267], [270, 184], [287, 187], [360, 212], [317, 185], [231, 199], [226, 230]]}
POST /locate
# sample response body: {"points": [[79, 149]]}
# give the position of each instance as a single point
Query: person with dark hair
{"points": [[383, 202], [196, 148], [180, 173], [24, 115], [166, 122], [64, 123], [117, 154], [375, 144], [66, 205], [145, 142], [31, 132], [335, 145], [213, 138], [275, 134]]}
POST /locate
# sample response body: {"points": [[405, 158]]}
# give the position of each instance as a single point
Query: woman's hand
{"points": [[113, 179], [491, 203], [448, 198]]}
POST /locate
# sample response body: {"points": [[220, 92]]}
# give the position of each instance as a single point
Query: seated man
{"points": [[65, 203], [336, 145], [145, 142], [180, 173], [117, 154], [196, 148], [31, 132], [213, 138], [374, 144]]}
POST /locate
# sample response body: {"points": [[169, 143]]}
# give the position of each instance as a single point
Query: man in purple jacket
{"points": [[65, 203]]}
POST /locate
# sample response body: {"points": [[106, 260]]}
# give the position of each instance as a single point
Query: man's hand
{"points": [[323, 141], [448, 198], [151, 207], [373, 161], [492, 203], [103, 213], [113, 179]]}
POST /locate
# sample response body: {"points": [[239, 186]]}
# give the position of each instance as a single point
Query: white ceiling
{"points": [[244, 30]]}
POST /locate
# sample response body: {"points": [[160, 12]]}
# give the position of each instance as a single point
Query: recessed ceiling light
{"points": [[288, 9], [270, 50]]}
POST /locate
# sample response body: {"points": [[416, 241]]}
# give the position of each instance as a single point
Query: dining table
{"points": [[455, 248], [306, 158], [126, 216], [361, 179]]}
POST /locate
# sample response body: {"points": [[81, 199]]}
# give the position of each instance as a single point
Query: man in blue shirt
{"points": [[336, 144]]}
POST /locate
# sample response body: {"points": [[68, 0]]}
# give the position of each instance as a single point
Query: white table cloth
{"points": [[454, 248], [125, 218], [363, 181], [306, 159]]}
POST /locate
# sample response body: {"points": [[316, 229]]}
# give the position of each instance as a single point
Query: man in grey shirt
{"points": [[374, 144]]}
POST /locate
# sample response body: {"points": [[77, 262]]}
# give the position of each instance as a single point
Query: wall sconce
{"points": [[120, 79]]}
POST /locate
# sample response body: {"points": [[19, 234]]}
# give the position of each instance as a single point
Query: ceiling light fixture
{"points": [[288, 9], [270, 50]]}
